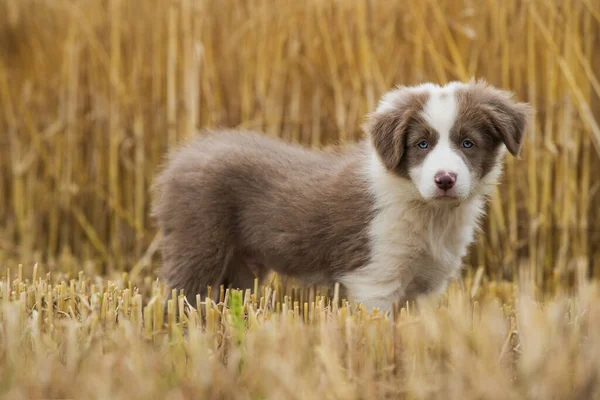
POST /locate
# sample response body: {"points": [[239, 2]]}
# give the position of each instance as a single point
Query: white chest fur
{"points": [[414, 247]]}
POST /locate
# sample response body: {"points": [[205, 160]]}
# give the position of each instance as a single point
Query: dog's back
{"points": [[230, 203]]}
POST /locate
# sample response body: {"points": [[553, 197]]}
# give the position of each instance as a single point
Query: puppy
{"points": [[389, 217]]}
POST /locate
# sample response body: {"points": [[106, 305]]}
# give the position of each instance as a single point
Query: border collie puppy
{"points": [[389, 217]]}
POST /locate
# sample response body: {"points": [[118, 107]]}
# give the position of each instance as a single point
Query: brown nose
{"points": [[445, 180]]}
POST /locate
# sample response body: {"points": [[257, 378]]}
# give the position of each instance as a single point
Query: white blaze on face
{"points": [[440, 113]]}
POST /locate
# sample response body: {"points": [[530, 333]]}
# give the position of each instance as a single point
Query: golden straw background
{"points": [[92, 93]]}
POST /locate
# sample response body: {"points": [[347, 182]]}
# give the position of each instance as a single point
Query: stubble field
{"points": [[92, 94]]}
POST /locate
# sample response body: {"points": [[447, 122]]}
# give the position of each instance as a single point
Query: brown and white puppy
{"points": [[389, 217]]}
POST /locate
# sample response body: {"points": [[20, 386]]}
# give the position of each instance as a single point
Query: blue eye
{"points": [[423, 144], [467, 144]]}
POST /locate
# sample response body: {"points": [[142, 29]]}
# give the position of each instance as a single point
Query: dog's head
{"points": [[449, 140]]}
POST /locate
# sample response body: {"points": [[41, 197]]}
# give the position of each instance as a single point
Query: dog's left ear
{"points": [[509, 118]]}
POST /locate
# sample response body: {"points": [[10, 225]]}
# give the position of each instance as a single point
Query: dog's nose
{"points": [[445, 180]]}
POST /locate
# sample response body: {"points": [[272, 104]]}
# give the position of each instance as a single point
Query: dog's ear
{"points": [[386, 133], [508, 118], [388, 125]]}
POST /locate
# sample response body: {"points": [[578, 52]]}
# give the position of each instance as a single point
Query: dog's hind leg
{"points": [[242, 272], [195, 271]]}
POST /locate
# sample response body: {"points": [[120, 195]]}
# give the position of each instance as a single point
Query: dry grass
{"points": [[93, 92], [92, 338]]}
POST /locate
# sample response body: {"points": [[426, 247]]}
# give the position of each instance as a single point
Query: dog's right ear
{"points": [[388, 125]]}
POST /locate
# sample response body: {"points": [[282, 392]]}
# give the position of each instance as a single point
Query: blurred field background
{"points": [[93, 93]]}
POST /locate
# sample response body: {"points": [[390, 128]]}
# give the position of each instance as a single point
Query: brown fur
{"points": [[493, 114], [391, 130], [229, 201]]}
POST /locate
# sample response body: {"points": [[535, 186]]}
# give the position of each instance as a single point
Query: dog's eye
{"points": [[423, 144], [467, 144]]}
